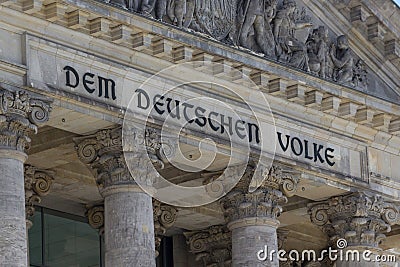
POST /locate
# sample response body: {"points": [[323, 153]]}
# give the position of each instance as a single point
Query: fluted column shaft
{"points": [[20, 114]]}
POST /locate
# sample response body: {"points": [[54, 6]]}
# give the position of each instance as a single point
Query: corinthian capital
{"points": [[20, 113], [164, 217], [273, 187], [212, 246], [102, 151], [115, 162], [37, 184], [358, 218]]}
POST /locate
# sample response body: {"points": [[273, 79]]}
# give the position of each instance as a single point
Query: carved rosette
{"points": [[95, 215], [213, 246], [104, 153], [20, 113], [164, 217], [359, 218], [37, 184], [265, 201]]}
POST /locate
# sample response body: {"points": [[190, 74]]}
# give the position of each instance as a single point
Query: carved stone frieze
{"points": [[212, 246], [265, 201], [20, 113], [114, 164], [164, 218], [269, 27], [360, 219], [37, 184], [103, 152], [95, 215]]}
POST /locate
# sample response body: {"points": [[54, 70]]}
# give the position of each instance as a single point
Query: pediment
{"points": [[373, 32], [303, 34]]}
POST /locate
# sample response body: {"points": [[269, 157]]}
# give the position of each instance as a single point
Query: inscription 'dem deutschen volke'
{"points": [[106, 87]]}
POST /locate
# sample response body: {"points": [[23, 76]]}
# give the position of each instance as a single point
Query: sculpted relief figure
{"points": [[257, 16], [317, 51], [288, 48], [180, 12], [266, 26], [360, 75], [342, 60]]}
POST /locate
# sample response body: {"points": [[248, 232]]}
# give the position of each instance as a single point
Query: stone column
{"points": [[129, 225], [37, 185], [355, 223], [212, 246], [252, 217], [20, 113]]}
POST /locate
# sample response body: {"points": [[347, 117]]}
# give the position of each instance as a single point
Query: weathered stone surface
{"points": [[37, 184], [13, 250], [359, 218], [248, 240], [129, 228], [128, 210], [95, 215], [211, 246], [19, 115], [164, 217], [265, 201]]}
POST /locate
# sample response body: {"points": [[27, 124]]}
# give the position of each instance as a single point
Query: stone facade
{"points": [[327, 70], [20, 115]]}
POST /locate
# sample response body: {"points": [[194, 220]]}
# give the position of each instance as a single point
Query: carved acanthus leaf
{"points": [[95, 215], [274, 28], [211, 246], [265, 201], [164, 217], [20, 113], [359, 218], [115, 162]]}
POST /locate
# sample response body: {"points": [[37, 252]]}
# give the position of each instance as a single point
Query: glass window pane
{"points": [[35, 239], [70, 243]]}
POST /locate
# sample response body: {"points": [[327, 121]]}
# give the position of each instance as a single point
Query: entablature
{"points": [[115, 41]]}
